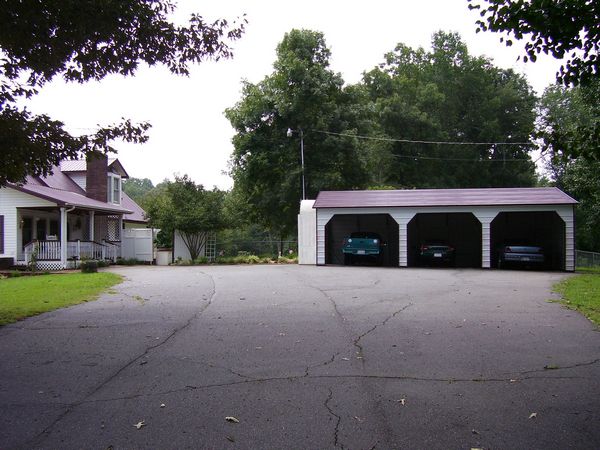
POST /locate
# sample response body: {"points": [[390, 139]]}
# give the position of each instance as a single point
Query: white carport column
{"points": [[92, 219], [402, 219], [63, 237], [485, 217]]}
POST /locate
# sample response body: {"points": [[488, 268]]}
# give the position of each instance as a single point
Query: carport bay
{"points": [[475, 234]]}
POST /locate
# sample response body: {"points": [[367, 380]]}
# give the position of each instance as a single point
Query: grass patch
{"points": [[582, 293], [594, 269], [28, 296]]}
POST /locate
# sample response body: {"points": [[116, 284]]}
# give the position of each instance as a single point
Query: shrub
{"points": [[89, 266], [127, 262]]}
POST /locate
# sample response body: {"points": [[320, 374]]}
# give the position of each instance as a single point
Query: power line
{"points": [[462, 159], [410, 141]]}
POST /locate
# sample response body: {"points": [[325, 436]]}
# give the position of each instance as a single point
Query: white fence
{"points": [[137, 243]]}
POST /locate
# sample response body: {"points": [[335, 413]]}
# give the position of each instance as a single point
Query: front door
{"points": [[26, 231]]}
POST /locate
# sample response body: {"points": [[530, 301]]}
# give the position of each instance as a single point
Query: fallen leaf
{"points": [[230, 439], [162, 405], [346, 359], [512, 380], [232, 419], [532, 415], [402, 401], [140, 424], [474, 431], [358, 418]]}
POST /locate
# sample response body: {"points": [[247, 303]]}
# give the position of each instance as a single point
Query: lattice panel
{"points": [[113, 230], [49, 265]]}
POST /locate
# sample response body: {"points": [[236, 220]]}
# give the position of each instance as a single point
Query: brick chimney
{"points": [[96, 176]]}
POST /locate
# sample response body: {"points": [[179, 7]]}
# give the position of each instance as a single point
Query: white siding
{"points": [[307, 232], [10, 199], [79, 178]]}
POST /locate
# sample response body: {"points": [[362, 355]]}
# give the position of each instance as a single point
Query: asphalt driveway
{"points": [[305, 358]]}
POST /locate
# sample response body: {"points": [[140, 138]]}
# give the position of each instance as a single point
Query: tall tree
{"points": [[81, 41], [567, 28], [565, 116], [446, 95], [190, 209], [304, 95]]}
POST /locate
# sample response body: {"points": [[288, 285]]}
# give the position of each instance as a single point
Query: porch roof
{"points": [[67, 198]]}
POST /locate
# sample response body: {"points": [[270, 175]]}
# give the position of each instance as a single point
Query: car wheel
{"points": [[347, 259], [499, 263]]}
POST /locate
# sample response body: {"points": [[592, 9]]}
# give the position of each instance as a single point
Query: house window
{"points": [[113, 189]]}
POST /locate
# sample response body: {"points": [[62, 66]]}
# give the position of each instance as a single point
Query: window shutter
{"points": [[1, 234]]}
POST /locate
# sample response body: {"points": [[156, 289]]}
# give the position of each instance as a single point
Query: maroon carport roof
{"points": [[443, 197]]}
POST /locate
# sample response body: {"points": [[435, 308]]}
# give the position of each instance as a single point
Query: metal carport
{"points": [[402, 206]]}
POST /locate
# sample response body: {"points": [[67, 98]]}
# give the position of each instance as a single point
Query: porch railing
{"points": [[76, 250]]}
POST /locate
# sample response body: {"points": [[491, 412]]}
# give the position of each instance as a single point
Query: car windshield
{"points": [[364, 235]]}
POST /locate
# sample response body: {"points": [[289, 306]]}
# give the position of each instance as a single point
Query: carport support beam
{"points": [[485, 219], [403, 218]]}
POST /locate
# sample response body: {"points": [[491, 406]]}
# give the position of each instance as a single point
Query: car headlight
{"points": [[349, 240], [374, 241]]}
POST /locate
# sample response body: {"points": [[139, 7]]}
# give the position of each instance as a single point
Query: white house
{"points": [[476, 221], [77, 212]]}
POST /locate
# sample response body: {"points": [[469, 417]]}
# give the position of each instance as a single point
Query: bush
{"points": [[127, 262], [103, 263], [89, 266]]}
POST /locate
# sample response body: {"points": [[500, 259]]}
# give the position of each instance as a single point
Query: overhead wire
{"points": [[412, 141]]}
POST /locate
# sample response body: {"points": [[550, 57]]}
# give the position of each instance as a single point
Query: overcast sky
{"points": [[189, 131]]}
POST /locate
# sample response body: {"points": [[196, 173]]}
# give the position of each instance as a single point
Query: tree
{"points": [[568, 28], [564, 116], [447, 96], [138, 189], [302, 94], [81, 41], [188, 208]]}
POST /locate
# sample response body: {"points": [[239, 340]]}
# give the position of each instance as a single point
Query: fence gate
{"points": [[137, 243]]}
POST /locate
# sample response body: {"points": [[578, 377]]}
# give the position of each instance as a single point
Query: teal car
{"points": [[363, 246]]}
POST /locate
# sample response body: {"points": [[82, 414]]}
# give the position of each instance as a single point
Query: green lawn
{"points": [[582, 293], [27, 296]]}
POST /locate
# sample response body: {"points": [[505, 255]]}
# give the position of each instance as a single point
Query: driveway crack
{"points": [[338, 419], [357, 343], [131, 362]]}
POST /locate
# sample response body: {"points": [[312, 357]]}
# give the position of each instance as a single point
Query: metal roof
{"points": [[138, 215], [80, 165], [443, 197], [67, 198]]}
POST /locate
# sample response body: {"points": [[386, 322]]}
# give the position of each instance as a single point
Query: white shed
{"points": [[476, 221]]}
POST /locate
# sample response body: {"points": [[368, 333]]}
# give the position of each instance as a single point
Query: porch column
{"points": [[92, 218], [63, 237]]}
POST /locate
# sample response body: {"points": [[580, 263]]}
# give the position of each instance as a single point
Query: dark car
{"points": [[436, 252], [520, 254], [363, 246]]}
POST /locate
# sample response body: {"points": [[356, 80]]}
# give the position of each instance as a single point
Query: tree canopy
{"points": [[190, 209], [450, 119], [564, 29], [304, 95], [411, 122], [81, 41]]}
